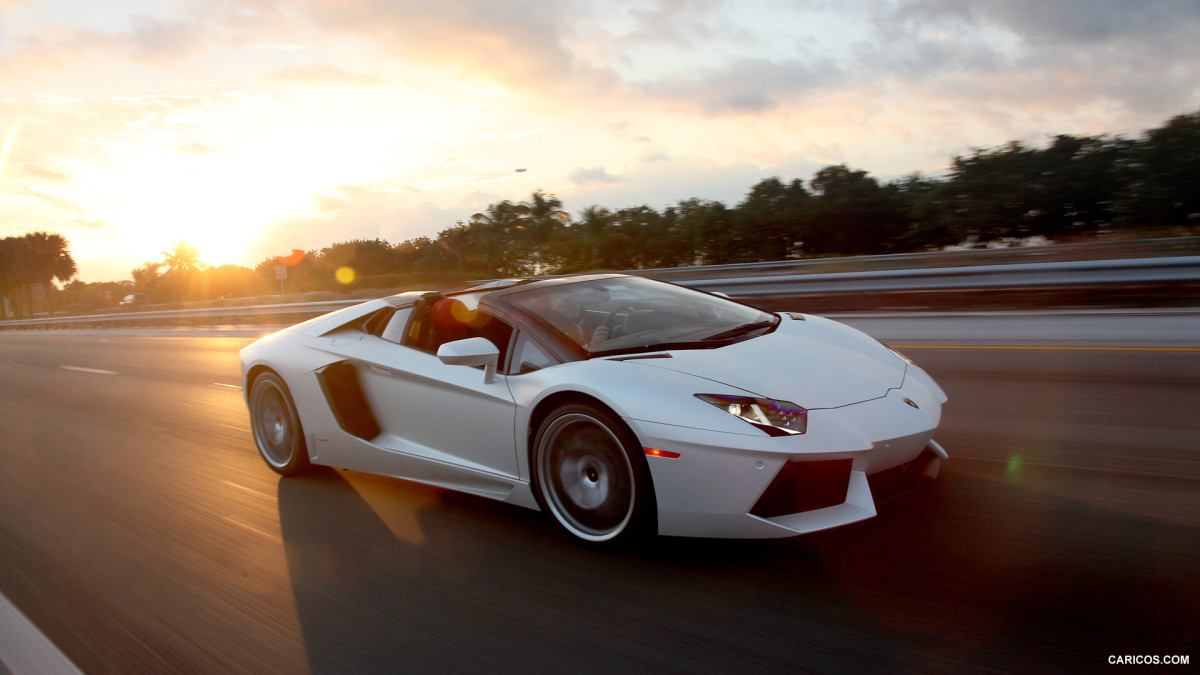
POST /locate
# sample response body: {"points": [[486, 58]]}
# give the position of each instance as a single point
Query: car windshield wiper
{"points": [[743, 330], [656, 347]]}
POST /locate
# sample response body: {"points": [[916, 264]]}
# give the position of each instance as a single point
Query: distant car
{"points": [[620, 405], [133, 300]]}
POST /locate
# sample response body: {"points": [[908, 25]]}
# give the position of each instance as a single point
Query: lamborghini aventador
{"points": [[620, 405]]}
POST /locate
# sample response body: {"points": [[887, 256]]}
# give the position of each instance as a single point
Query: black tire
{"points": [[276, 426], [591, 475]]}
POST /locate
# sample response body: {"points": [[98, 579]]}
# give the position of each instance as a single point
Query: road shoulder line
{"points": [[24, 649]]}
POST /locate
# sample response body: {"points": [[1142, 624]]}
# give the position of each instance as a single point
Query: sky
{"points": [[249, 128]]}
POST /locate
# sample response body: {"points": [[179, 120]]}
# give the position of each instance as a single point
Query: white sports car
{"points": [[621, 405]]}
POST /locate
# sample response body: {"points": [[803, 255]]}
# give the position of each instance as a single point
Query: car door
{"points": [[437, 412]]}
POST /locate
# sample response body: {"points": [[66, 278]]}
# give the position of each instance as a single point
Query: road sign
{"points": [[281, 271]]}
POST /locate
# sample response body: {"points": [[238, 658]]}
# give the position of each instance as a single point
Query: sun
{"points": [[220, 230], [224, 175], [220, 207], [216, 250]]}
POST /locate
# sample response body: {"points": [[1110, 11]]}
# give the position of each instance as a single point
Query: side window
{"points": [[529, 356], [449, 320], [394, 330]]}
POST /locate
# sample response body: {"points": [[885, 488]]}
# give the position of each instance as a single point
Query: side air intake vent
{"points": [[344, 393]]}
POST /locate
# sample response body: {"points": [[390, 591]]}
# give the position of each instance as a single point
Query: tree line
{"points": [[1074, 186]]}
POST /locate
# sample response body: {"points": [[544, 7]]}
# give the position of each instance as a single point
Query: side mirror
{"points": [[473, 352]]}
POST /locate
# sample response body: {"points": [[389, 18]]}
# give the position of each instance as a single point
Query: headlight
{"points": [[776, 418]]}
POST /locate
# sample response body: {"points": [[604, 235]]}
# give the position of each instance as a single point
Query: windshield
{"points": [[631, 314]]}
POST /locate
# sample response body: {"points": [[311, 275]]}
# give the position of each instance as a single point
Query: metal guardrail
{"points": [[1099, 273], [1102, 250], [285, 313], [1101, 276]]}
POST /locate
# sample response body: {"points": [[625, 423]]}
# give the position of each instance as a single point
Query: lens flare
{"points": [[1014, 466], [345, 275]]}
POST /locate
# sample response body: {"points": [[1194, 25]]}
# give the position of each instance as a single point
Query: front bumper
{"points": [[715, 487]]}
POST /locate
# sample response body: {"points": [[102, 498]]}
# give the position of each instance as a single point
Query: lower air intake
{"points": [[805, 486]]}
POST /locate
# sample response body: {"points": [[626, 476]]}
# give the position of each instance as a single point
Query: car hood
{"points": [[815, 363]]}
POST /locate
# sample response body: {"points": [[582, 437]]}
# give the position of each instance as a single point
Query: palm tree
{"points": [[542, 219], [492, 235], [146, 277], [182, 260], [546, 207], [36, 258], [593, 225]]}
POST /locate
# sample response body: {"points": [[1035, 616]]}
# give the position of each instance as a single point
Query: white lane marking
{"points": [[227, 386], [24, 649], [96, 371]]}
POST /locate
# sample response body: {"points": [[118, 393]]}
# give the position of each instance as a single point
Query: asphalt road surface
{"points": [[140, 532]]}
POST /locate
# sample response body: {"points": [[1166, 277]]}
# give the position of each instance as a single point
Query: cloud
{"points": [[322, 73], [746, 85], [283, 47], [1059, 21], [42, 50], [521, 43], [1038, 52], [49, 199], [154, 39], [351, 197], [664, 183], [196, 148], [329, 205], [42, 173], [583, 176], [91, 224]]}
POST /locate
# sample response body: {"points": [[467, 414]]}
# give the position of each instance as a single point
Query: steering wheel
{"points": [[628, 309], [608, 324]]}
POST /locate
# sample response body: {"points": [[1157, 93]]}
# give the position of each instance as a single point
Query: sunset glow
{"points": [[251, 130]]}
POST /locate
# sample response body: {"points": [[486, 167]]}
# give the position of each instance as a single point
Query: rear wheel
{"points": [[591, 475], [276, 426]]}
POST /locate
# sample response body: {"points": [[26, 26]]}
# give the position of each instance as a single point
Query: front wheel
{"points": [[591, 475], [276, 426]]}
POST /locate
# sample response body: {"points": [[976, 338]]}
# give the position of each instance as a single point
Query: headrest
{"points": [[450, 314]]}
